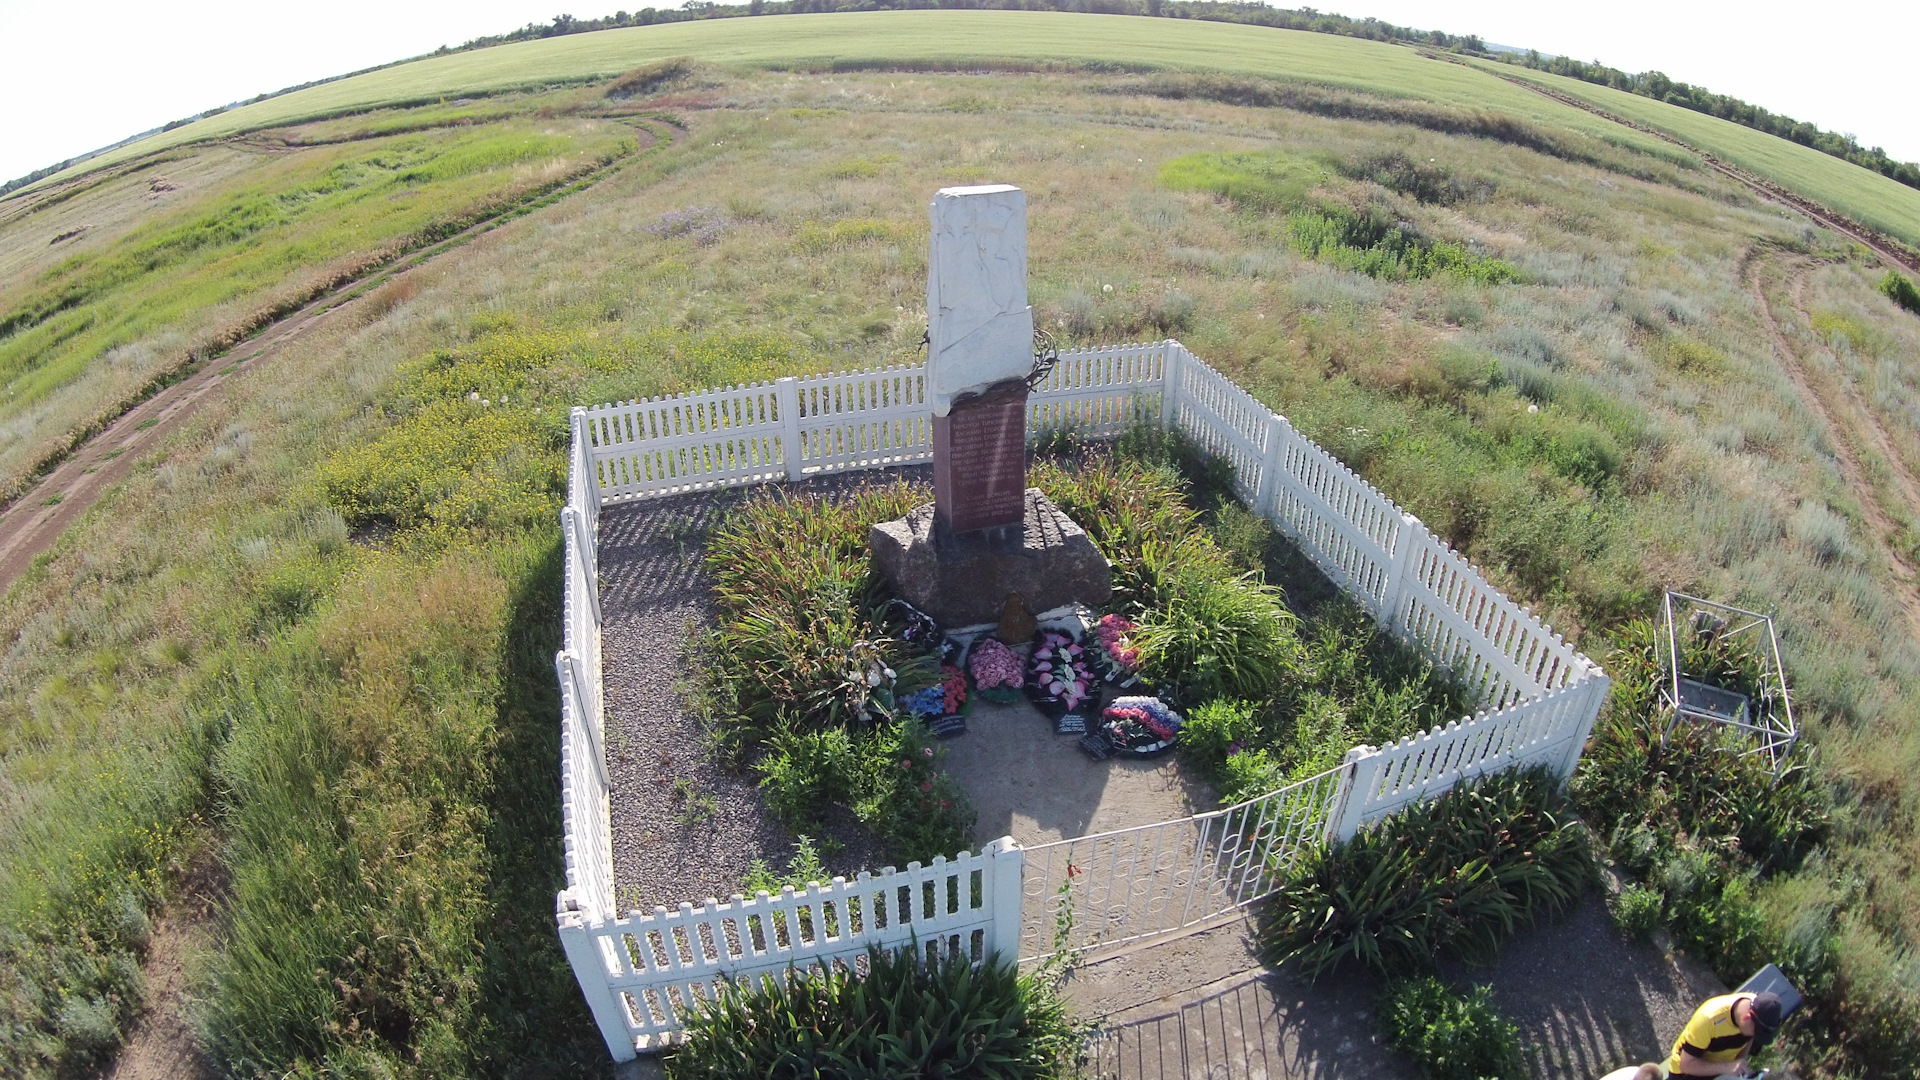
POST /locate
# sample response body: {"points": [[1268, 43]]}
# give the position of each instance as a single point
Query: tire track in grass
{"points": [[33, 522], [1893, 251], [164, 1043], [1829, 403], [1902, 476]]}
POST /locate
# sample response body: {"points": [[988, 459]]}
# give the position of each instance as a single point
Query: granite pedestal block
{"points": [[963, 579]]}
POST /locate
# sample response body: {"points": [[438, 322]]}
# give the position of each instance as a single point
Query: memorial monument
{"points": [[986, 535]]}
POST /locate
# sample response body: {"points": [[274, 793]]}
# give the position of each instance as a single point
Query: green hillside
{"points": [[911, 37], [1862, 194], [288, 675]]}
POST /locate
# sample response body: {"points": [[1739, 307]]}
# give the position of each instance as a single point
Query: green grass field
{"points": [[310, 638], [1861, 194], [206, 261], [918, 37], [910, 37]]}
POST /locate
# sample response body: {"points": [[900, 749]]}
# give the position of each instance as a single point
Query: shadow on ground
{"points": [[1586, 997]]}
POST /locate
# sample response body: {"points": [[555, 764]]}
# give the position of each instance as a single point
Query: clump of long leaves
{"points": [[1696, 786], [906, 1017], [800, 609], [1451, 876], [1138, 516], [1450, 1035], [1700, 818], [1216, 634], [1206, 629]]}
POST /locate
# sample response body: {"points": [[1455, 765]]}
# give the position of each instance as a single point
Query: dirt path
{"points": [[163, 1044], [1849, 425], [31, 524]]}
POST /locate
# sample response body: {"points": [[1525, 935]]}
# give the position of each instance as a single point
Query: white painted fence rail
{"points": [[1539, 697], [643, 973]]}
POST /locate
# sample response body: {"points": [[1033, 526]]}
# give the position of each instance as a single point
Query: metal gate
{"points": [[1114, 887]]}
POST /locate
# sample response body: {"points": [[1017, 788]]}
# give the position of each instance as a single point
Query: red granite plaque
{"points": [[980, 460]]}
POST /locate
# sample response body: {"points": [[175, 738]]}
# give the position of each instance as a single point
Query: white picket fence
{"points": [[641, 972], [644, 973]]}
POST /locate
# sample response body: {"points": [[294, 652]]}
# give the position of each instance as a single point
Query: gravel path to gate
{"points": [[684, 828]]}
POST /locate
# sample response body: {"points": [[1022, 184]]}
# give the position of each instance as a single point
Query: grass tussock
{"points": [[906, 1016], [1448, 877], [1610, 424]]}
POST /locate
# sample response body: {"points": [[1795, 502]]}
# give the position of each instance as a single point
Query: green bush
{"points": [[1352, 685], [1453, 875], [801, 637], [1901, 291], [1450, 1036], [1638, 910], [1218, 636], [803, 868], [906, 1017], [1713, 914], [1218, 729], [804, 771], [1371, 244], [902, 794]]}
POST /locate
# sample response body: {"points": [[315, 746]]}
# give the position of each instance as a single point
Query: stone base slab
{"points": [[965, 578]]}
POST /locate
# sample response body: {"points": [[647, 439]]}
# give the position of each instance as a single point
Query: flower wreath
{"points": [[948, 697], [1115, 655], [1141, 725], [1058, 678], [997, 674]]}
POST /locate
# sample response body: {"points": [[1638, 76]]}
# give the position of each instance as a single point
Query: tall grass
{"points": [[1452, 876], [214, 270], [1613, 424], [905, 1016]]}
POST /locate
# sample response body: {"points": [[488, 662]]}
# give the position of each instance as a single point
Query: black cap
{"points": [[1766, 1013]]}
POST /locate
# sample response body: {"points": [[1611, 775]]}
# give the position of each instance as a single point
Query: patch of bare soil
{"points": [[163, 1044], [1849, 425]]}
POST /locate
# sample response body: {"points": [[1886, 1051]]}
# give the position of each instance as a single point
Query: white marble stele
{"points": [[979, 326]]}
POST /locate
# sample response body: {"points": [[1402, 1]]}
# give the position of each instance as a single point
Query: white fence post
{"points": [[1170, 384], [787, 392], [1270, 464], [1363, 776], [567, 667], [1392, 613], [1004, 896], [1595, 698], [572, 521], [590, 970]]}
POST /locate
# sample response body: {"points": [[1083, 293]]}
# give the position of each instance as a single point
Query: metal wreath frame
{"points": [[1772, 726]]}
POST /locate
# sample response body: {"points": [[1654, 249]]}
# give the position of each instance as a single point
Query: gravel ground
{"points": [[685, 829], [1587, 997]]}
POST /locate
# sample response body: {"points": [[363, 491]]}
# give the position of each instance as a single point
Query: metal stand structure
{"points": [[1769, 724]]}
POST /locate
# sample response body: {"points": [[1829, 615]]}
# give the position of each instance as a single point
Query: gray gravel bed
{"points": [[684, 828]]}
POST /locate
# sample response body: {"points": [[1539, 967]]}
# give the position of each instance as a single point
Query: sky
{"points": [[81, 74]]}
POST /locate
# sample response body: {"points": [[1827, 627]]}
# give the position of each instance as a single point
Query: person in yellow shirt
{"points": [[1723, 1033]]}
